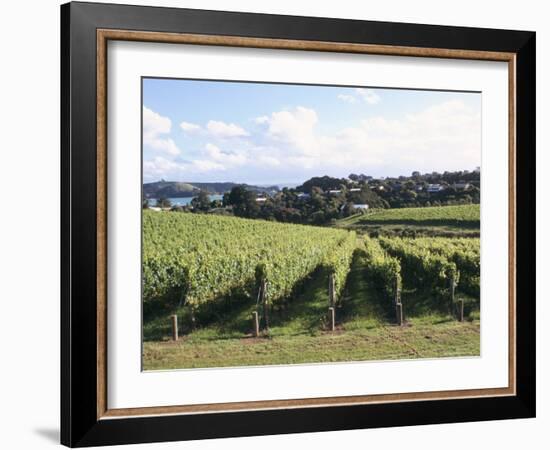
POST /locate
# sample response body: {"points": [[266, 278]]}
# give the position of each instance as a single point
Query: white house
{"points": [[434, 188], [361, 206], [461, 185]]}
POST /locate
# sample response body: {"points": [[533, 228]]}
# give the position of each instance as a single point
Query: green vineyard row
{"points": [[195, 258], [382, 268], [430, 262], [457, 213]]}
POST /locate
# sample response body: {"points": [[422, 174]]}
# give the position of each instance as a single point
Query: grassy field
{"points": [[298, 332], [451, 221]]}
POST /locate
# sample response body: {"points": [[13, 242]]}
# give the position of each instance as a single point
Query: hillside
{"points": [[176, 189], [455, 220]]}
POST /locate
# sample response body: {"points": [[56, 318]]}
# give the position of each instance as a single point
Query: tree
{"points": [[325, 182], [366, 196], [348, 209], [243, 202], [163, 202], [145, 204], [201, 202]]}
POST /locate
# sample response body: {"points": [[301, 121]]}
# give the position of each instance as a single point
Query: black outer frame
{"points": [[79, 424]]}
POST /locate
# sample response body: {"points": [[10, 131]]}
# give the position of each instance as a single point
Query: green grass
{"points": [[450, 221], [298, 332]]}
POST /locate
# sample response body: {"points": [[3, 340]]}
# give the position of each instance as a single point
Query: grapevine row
{"points": [[383, 269], [419, 265], [463, 252], [197, 258]]}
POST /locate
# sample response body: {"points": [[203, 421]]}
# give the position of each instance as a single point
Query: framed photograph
{"points": [[276, 224]]}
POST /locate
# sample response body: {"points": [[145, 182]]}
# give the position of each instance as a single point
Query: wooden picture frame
{"points": [[86, 418]]}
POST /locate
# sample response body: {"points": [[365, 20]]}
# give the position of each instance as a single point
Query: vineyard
{"points": [[449, 221], [459, 214], [432, 262], [216, 273], [194, 259]]}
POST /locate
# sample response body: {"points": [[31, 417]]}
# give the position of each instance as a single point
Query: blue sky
{"points": [[262, 133]]}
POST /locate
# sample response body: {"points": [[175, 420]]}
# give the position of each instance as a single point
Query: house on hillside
{"points": [[363, 206], [461, 186], [434, 188], [335, 191], [355, 190], [397, 186]]}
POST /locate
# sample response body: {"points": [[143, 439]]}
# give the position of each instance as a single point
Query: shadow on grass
{"points": [[418, 302], [362, 306], [425, 302], [364, 300], [225, 317], [402, 230], [304, 312], [455, 223]]}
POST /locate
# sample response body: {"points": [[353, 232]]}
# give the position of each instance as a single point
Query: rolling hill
{"points": [[176, 189]]}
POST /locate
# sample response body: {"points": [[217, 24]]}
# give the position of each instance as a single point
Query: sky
{"points": [[266, 133]]}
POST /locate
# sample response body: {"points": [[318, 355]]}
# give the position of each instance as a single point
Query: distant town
{"points": [[317, 200]]}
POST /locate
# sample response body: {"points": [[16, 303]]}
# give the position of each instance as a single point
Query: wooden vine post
{"points": [[263, 300], [332, 301], [255, 324], [452, 286], [174, 318], [332, 318], [456, 309], [192, 317], [397, 301], [331, 290]]}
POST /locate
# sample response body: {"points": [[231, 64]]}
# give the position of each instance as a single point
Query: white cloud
{"points": [[296, 128], [261, 120], [444, 136], [167, 146], [271, 161], [225, 130], [226, 158], [189, 127], [347, 98], [441, 137], [154, 124], [160, 167], [155, 127], [368, 96], [204, 165], [361, 94]]}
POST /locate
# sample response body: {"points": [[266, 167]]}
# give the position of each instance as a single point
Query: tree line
{"points": [[320, 200]]}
